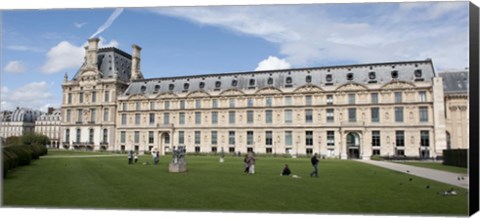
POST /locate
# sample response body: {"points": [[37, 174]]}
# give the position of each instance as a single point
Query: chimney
{"points": [[91, 52], [136, 73]]}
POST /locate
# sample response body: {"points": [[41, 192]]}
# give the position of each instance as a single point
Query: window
{"points": [[166, 105], [424, 138], [352, 115], [375, 114], [308, 100], [399, 138], [198, 104], [214, 117], [137, 119], [214, 103], [94, 97], [201, 85], [107, 96], [166, 139], [182, 104], [350, 76], [105, 114], [181, 137], [330, 138], [329, 99], [423, 112], [288, 138], [151, 118], [214, 137], [79, 115], [136, 136], [250, 102], [288, 100], [249, 137], [309, 138], [181, 118], [251, 82], [218, 84], [268, 150], [197, 137], [374, 98], [122, 137], [67, 136], [124, 119], [93, 115], [81, 97], [90, 136], [268, 101], [166, 118], [69, 98], [143, 88], [398, 114], [171, 87], [308, 116], [351, 98], [398, 97], [214, 149], [418, 73], [268, 138], [234, 83], [330, 115], [423, 96], [288, 116], [152, 105], [328, 78], [137, 106], [270, 81], [375, 138], [376, 151], [198, 117], [79, 133], [69, 115], [232, 102], [157, 88], [308, 79], [268, 116], [150, 137], [231, 117], [289, 80], [231, 137], [124, 106], [105, 135], [249, 117], [394, 74], [186, 86], [371, 75]]}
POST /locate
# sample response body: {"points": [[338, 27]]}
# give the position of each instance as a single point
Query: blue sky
{"points": [[39, 46]]}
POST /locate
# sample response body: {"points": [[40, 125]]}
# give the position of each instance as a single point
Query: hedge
{"points": [[456, 157], [20, 155]]}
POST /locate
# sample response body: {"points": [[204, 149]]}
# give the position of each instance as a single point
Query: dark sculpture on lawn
{"points": [[178, 163]]}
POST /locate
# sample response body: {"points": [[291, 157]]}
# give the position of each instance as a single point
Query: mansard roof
{"points": [[55, 116], [454, 81], [25, 115], [380, 73], [111, 60]]}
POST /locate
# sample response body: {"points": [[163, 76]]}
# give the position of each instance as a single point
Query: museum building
{"points": [[349, 111]]}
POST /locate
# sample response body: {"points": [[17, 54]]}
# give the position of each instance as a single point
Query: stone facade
{"points": [[18, 122], [49, 125]]}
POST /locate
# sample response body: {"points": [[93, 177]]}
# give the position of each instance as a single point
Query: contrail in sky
{"points": [[109, 22]]}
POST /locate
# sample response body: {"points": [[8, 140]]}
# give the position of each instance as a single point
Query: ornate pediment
{"points": [[137, 97], [231, 92], [308, 88], [351, 87], [166, 95], [197, 94], [398, 85], [268, 91]]}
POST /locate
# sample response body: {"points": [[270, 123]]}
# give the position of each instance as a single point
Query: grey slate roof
{"points": [[280, 78], [455, 82], [110, 60], [20, 115]]}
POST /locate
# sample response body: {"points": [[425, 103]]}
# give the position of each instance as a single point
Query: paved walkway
{"points": [[437, 175]]}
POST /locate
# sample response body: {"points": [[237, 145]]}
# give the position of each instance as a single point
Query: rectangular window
{"points": [[399, 138], [93, 114], [288, 138], [375, 114], [374, 98], [398, 114], [81, 97], [151, 118], [107, 96], [150, 137], [308, 116], [268, 138], [166, 105], [232, 102], [330, 138], [124, 119], [181, 118], [250, 102], [308, 100], [375, 138], [197, 137], [137, 119], [288, 116], [198, 117], [198, 104], [329, 99], [79, 133], [122, 137], [181, 137], [309, 138], [231, 117], [124, 106], [136, 136], [166, 118], [79, 115], [268, 116], [249, 117], [91, 135], [214, 137], [424, 138], [214, 117], [398, 97], [423, 112], [231, 137], [69, 115], [330, 115], [268, 101], [352, 115], [288, 100], [105, 114], [423, 96], [182, 104], [351, 98], [94, 97], [67, 136], [69, 100], [137, 106], [166, 139], [214, 103], [152, 105], [249, 137]]}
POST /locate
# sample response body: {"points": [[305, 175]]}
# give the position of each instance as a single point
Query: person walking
{"points": [[156, 158], [251, 163], [246, 163], [314, 161], [130, 157]]}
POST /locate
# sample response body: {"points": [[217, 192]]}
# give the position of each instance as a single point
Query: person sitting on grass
{"points": [[286, 171]]}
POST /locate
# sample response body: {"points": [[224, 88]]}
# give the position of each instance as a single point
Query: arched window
{"points": [[418, 73], [157, 88], [288, 80], [329, 77], [201, 85], [270, 81], [350, 76], [143, 88], [394, 74], [234, 83], [449, 141], [308, 79], [372, 75], [186, 85], [218, 84], [171, 87]]}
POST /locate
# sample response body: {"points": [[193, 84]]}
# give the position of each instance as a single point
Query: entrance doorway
{"points": [[353, 145]]}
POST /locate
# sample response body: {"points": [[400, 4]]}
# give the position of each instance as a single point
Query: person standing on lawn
{"points": [[130, 157], [314, 161]]}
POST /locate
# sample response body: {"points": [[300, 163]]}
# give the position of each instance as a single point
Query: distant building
{"points": [[18, 122], [49, 125]]}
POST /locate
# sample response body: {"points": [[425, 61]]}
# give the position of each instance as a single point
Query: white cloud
{"points": [[272, 63], [15, 67], [35, 95], [23, 48], [79, 25]]}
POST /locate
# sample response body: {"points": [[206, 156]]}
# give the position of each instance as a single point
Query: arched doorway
{"points": [[164, 144], [353, 145]]}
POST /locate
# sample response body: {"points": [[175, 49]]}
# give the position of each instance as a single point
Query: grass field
{"points": [[109, 182], [437, 166]]}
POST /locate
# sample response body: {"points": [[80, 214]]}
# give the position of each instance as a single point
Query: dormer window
{"points": [[186, 86], [157, 88], [350, 76], [171, 87], [418, 73], [252, 82], [201, 85], [371, 75], [394, 74], [289, 80], [143, 88], [328, 78], [234, 83], [270, 81], [218, 84], [308, 79]]}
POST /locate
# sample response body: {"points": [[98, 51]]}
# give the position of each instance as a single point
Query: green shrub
{"points": [[455, 157], [13, 158], [376, 157], [23, 152], [6, 164], [35, 151]]}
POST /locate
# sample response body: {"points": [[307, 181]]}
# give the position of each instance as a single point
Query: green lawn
{"points": [[109, 182], [437, 166]]}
